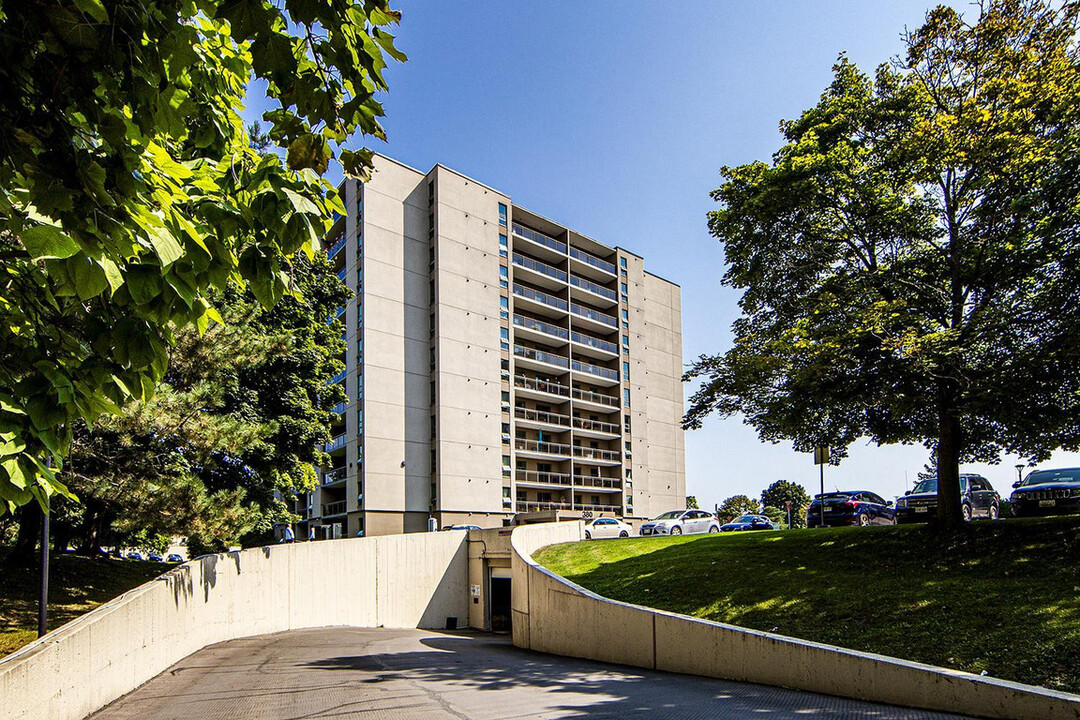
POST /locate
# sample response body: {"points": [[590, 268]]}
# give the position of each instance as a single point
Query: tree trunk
{"points": [[949, 507], [24, 552]]}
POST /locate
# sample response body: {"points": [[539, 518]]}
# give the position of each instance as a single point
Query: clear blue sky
{"points": [[613, 118]]}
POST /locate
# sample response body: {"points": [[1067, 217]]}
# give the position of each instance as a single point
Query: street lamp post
{"points": [[1019, 471]]}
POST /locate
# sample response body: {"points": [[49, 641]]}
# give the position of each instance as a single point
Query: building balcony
{"points": [[539, 238], [541, 331], [337, 443], [595, 455], [544, 449], [593, 319], [543, 360], [615, 509], [523, 506], [539, 273], [335, 508], [598, 484], [545, 479], [543, 388], [541, 417], [591, 292], [607, 402], [540, 302], [339, 377], [592, 262], [602, 375], [594, 344], [340, 408], [335, 476], [596, 426], [335, 246]]}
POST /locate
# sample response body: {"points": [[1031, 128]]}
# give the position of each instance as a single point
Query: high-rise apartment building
{"points": [[498, 364]]}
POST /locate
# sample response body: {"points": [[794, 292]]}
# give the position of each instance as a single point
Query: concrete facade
{"points": [[553, 615], [499, 365]]}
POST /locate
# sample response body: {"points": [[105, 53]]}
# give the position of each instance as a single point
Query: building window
{"points": [[504, 364], [506, 430], [623, 272], [432, 391], [622, 262], [626, 370], [506, 460], [431, 224], [626, 422], [433, 460], [626, 397], [504, 284], [623, 288], [502, 214], [431, 292], [432, 352], [522, 496], [431, 324], [505, 397], [502, 245], [431, 257], [626, 326], [624, 299], [504, 333], [626, 341], [432, 427], [502, 272], [504, 307], [504, 346], [625, 314]]}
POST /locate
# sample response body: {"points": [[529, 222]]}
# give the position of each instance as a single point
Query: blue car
{"points": [[749, 522], [851, 507], [1047, 492]]}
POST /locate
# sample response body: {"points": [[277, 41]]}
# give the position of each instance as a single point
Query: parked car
{"points": [[851, 507], [749, 522], [976, 493], [678, 522], [134, 555], [606, 527], [463, 527], [1047, 492], [155, 557], [173, 557]]}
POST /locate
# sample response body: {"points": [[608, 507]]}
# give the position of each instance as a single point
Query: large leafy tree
{"points": [[909, 258], [782, 492], [129, 193], [735, 506]]}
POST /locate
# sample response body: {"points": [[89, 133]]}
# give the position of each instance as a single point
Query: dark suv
{"points": [[850, 507], [1047, 492], [978, 496]]}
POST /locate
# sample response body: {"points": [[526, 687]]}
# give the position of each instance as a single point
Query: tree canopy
{"points": [[735, 506], [130, 194], [908, 259], [784, 491]]}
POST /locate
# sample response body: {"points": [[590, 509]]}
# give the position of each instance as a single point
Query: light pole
{"points": [[1019, 471]]}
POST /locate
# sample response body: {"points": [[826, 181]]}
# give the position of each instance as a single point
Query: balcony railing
{"points": [[342, 273], [588, 396], [336, 245], [339, 409], [541, 416], [596, 426], [541, 356], [592, 287], [596, 454], [334, 475], [543, 298], [339, 377], [547, 386], [539, 238], [337, 443], [537, 266], [334, 508], [541, 447], [590, 259], [546, 328], [597, 482], [594, 370], [616, 509], [605, 345], [539, 506], [593, 315], [548, 478]]}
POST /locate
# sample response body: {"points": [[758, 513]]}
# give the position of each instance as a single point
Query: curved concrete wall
{"points": [[393, 581], [553, 615]]}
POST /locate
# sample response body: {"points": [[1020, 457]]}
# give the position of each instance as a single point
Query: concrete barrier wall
{"points": [[394, 581], [556, 616]]}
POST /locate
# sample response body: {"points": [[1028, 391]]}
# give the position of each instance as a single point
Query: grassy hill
{"points": [[76, 585], [1001, 598]]}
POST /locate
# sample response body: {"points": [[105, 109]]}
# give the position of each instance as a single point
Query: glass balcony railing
{"points": [[523, 506], [541, 416], [339, 409], [596, 454], [548, 478], [599, 399], [605, 345], [594, 370], [590, 259], [616, 509], [333, 476], [334, 508], [592, 287], [593, 315], [337, 443], [537, 325], [336, 245], [342, 273], [597, 482], [537, 266], [596, 426], [539, 385], [542, 447], [541, 356], [537, 296], [339, 377], [539, 238]]}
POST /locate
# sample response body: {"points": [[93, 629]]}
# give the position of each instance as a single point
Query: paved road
{"points": [[344, 673]]}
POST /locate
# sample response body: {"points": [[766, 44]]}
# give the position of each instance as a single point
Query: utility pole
{"points": [[43, 599], [821, 456]]}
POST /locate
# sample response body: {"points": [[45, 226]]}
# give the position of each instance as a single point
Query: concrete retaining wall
{"points": [[555, 616], [399, 581]]}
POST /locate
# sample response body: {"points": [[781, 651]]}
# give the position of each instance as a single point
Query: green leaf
{"points": [[309, 151], [300, 203], [94, 9], [90, 280], [48, 242]]}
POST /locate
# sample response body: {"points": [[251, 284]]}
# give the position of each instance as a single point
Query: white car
{"points": [[679, 522], [607, 528]]}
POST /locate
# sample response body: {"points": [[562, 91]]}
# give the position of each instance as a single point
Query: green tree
{"points": [[777, 515], [691, 502], [909, 258], [130, 192], [783, 491], [735, 506]]}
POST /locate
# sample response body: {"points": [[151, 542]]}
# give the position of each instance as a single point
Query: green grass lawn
{"points": [[1001, 598], [76, 585]]}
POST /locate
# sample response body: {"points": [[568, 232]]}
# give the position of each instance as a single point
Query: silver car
{"points": [[607, 528], [680, 522]]}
